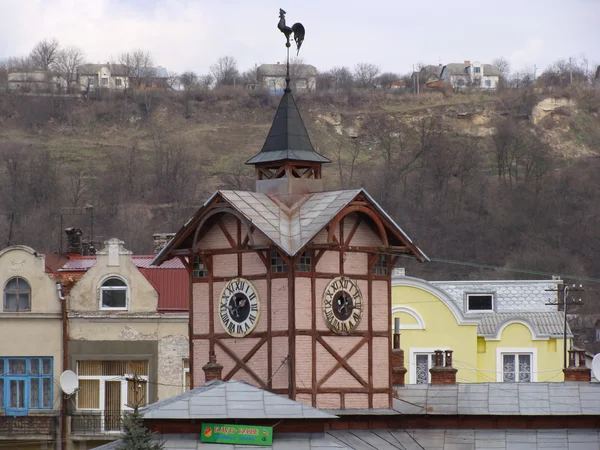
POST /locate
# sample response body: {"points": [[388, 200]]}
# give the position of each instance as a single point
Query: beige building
{"points": [[30, 351], [107, 76], [127, 321]]}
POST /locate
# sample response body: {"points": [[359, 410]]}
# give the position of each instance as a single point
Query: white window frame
{"points": [[102, 392], [479, 311], [101, 290], [515, 351], [412, 361]]}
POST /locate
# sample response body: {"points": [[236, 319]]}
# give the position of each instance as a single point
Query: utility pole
{"points": [[570, 70], [566, 290]]}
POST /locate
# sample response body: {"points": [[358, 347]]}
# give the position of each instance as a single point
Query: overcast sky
{"points": [[191, 34]]}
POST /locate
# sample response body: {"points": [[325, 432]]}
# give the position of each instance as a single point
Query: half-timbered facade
{"points": [[291, 285]]}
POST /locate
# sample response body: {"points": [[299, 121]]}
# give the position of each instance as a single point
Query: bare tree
{"points": [[188, 81], [225, 71], [138, 66], [365, 74], [386, 79], [342, 77], [504, 68], [67, 61], [45, 53]]}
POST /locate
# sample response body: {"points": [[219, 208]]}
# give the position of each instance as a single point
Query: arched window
{"points": [[113, 294], [17, 295]]}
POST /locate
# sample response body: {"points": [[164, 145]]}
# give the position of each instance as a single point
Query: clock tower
{"points": [[291, 284]]}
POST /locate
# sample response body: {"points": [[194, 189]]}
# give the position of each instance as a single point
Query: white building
{"points": [[474, 75], [272, 77]]}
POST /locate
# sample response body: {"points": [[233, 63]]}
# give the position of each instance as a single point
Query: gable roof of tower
{"points": [[290, 229], [287, 139]]}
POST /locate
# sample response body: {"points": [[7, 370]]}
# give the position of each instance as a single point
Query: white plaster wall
{"points": [[85, 295]]}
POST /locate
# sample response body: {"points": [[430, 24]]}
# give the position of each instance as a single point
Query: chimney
{"points": [[577, 372], [160, 240], [398, 368], [212, 369], [74, 241], [467, 62], [442, 372]]}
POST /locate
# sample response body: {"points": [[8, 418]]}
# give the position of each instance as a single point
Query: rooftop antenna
{"points": [[298, 30]]}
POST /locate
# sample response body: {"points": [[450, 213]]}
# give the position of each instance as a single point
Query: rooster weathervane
{"points": [[298, 30]]}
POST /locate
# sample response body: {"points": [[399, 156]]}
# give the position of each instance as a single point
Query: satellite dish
{"points": [[596, 366], [69, 382]]}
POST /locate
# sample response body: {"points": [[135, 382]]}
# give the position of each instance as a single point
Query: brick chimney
{"points": [[442, 372], [212, 369], [398, 368], [74, 241], [467, 62], [160, 240], [578, 372]]}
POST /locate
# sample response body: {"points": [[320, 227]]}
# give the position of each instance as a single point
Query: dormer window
{"points": [[114, 294], [480, 302], [17, 295]]}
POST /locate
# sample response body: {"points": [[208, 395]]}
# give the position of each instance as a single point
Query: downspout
{"points": [[65, 365]]}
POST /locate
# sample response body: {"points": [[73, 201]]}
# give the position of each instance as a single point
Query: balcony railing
{"points": [[28, 426], [97, 422]]}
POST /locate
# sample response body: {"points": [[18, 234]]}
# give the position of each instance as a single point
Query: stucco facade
{"points": [[129, 333], [432, 317], [31, 336]]}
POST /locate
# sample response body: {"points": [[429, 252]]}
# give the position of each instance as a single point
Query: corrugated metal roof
{"points": [[231, 400], [549, 323], [172, 285], [78, 263], [453, 439], [521, 399], [281, 441]]}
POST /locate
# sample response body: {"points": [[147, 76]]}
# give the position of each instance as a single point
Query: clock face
{"points": [[239, 307], [342, 305]]}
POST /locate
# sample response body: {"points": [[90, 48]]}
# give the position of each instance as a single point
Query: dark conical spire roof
{"points": [[288, 138]]}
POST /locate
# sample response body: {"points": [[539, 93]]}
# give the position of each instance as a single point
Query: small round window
{"points": [[113, 294]]}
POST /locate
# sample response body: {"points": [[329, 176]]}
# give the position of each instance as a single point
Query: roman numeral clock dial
{"points": [[239, 307], [342, 305]]}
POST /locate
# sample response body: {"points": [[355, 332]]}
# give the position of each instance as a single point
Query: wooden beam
{"points": [[339, 364], [353, 230], [243, 365], [342, 361], [225, 231]]}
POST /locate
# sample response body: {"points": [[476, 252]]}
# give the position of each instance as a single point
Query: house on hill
{"points": [[106, 76], [460, 76], [272, 77], [36, 81]]}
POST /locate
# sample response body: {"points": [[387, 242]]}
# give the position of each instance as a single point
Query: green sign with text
{"points": [[236, 434]]}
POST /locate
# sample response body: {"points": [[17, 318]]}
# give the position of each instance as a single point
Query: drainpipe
{"points": [[65, 364]]}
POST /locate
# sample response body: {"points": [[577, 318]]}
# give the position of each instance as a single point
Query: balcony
{"points": [[97, 422], [28, 426]]}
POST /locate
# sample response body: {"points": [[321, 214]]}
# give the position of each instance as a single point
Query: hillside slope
{"points": [[507, 179]]}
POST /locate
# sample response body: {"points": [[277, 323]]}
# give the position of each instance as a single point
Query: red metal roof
{"points": [[171, 280]]}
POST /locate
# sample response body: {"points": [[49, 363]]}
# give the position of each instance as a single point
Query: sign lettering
{"points": [[237, 434]]}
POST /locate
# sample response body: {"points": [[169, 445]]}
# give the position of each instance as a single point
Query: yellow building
{"points": [[499, 331]]}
